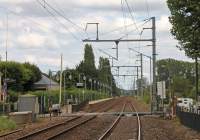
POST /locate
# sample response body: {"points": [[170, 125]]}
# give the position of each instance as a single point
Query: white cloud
{"points": [[1, 25], [163, 24], [31, 40], [44, 39], [15, 1], [31, 59], [18, 9]]}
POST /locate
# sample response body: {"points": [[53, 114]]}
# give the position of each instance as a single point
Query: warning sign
{"points": [[161, 89]]}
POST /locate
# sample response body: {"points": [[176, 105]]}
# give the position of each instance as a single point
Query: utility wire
{"points": [[60, 14], [58, 20], [122, 27], [135, 29], [130, 11], [30, 19], [61, 10], [124, 17], [147, 8]]}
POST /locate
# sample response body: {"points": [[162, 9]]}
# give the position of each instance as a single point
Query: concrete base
{"points": [[69, 108], [97, 101], [22, 117]]}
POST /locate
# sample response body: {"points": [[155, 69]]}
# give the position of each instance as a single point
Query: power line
{"points": [[122, 27], [147, 8], [124, 16], [81, 28], [58, 20], [136, 29], [130, 11], [60, 14], [30, 19]]}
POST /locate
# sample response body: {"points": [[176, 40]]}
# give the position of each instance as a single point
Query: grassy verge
{"points": [[6, 124], [146, 98]]}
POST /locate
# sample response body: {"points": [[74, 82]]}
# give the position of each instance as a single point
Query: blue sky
{"points": [[37, 37]]}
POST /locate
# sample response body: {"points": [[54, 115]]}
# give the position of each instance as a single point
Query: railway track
{"points": [[67, 129], [49, 132], [110, 130], [10, 133], [35, 133], [108, 106], [52, 132], [105, 106], [139, 137]]}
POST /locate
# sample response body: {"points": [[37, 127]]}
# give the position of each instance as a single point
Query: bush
{"points": [[6, 124], [24, 75]]}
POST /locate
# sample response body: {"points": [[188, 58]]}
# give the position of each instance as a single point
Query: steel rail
{"points": [[46, 129], [12, 132], [70, 128], [138, 121], [113, 125]]}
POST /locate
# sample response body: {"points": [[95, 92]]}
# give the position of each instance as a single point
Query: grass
{"points": [[145, 98], [6, 124]]}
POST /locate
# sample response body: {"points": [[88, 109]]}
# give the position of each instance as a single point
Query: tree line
{"points": [[185, 20], [22, 76], [19, 76], [86, 68], [179, 76]]}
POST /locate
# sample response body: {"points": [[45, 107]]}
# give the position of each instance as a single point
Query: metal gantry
{"points": [[153, 40]]}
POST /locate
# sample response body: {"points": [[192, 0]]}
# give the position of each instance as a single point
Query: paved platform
{"points": [[114, 113], [97, 101]]}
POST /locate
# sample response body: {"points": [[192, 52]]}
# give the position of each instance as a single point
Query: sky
{"points": [[39, 35]]}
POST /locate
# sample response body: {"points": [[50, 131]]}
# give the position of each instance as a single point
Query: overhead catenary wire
{"points": [[124, 16], [30, 19], [147, 8], [58, 20], [146, 21], [39, 24], [46, 4], [131, 11], [125, 26], [63, 12]]}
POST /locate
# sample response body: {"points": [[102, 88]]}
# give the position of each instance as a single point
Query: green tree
{"points": [[87, 66], [89, 62], [185, 18], [35, 75], [23, 74], [180, 74], [104, 71]]}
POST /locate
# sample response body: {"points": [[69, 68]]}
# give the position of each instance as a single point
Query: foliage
{"points": [[87, 66], [35, 75], [179, 76], [104, 71], [185, 19], [6, 124], [24, 75], [71, 93]]}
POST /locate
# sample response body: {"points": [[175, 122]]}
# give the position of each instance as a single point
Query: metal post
{"points": [[197, 78], [111, 87], [60, 96], [154, 100], [134, 85], [91, 84], [0, 85], [64, 88], [141, 80], [137, 81], [97, 31], [84, 78], [150, 79], [7, 38]]}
